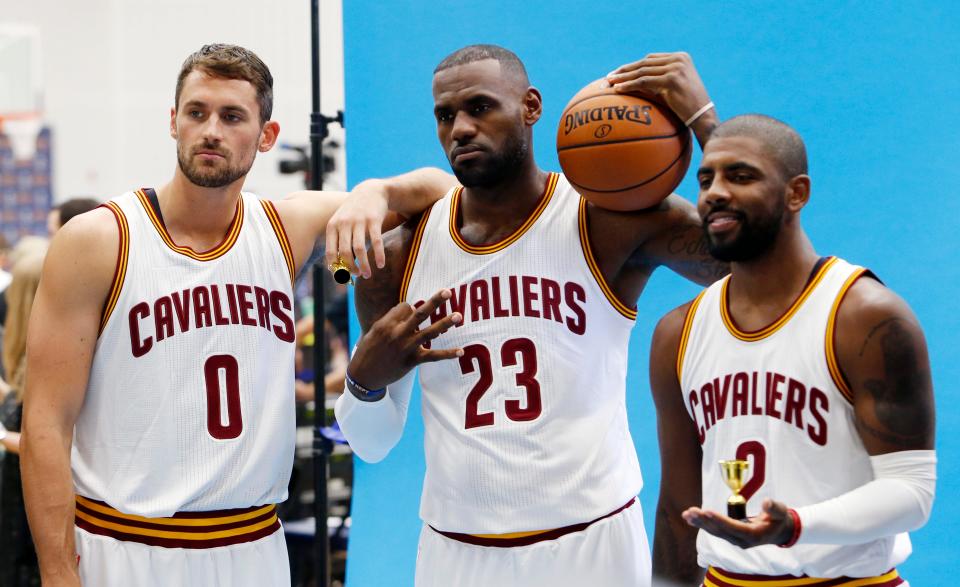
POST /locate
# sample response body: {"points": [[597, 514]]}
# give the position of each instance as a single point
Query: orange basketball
{"points": [[621, 151]]}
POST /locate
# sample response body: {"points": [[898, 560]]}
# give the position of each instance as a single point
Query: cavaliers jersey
{"points": [[189, 405], [528, 429], [777, 398]]}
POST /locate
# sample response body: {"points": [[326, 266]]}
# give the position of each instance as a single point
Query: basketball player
{"points": [[808, 368], [532, 475], [161, 354]]}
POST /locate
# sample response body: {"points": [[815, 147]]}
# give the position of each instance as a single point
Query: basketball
{"points": [[621, 151]]}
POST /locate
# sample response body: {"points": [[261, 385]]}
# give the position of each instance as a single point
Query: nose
{"points": [[463, 127], [715, 193], [213, 129]]}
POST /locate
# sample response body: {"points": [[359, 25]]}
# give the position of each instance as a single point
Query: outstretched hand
{"points": [[394, 344], [774, 525], [671, 77], [362, 214]]}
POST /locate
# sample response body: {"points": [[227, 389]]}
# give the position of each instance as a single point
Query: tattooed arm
{"points": [[674, 542], [882, 353], [883, 356]]}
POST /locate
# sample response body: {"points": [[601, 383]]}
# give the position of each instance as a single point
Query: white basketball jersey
{"points": [[189, 406], [776, 398], [528, 430]]}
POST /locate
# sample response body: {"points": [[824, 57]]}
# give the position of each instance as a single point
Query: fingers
{"points": [[330, 251], [376, 241], [652, 59], [438, 328], [360, 248], [344, 250], [423, 312], [432, 356]]}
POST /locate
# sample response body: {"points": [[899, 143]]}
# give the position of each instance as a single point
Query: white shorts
{"points": [[108, 562], [612, 552]]}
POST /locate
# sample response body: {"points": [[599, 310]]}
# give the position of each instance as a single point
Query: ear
{"points": [[173, 123], [532, 106], [798, 193], [268, 136]]}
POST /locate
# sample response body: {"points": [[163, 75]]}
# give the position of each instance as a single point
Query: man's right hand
{"points": [[394, 344]]}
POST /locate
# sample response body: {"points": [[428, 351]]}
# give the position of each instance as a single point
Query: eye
{"points": [[742, 177], [481, 108], [195, 114], [444, 116], [705, 181], [233, 118]]}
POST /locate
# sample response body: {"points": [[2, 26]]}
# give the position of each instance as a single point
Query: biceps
{"points": [[893, 389], [60, 348]]}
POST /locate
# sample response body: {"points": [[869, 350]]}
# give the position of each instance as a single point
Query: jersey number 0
{"points": [[215, 365]]}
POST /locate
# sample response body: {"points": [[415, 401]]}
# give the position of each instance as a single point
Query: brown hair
{"points": [[231, 62], [20, 294]]}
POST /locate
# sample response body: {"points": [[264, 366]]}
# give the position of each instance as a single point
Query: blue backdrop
{"points": [[872, 87]]}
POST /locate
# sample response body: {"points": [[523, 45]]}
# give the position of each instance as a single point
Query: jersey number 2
{"points": [[515, 350], [227, 364], [752, 448]]}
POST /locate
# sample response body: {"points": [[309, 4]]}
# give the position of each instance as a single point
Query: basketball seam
{"points": [[641, 184], [617, 142]]}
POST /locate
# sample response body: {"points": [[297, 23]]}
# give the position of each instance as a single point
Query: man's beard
{"points": [[754, 239], [499, 167], [210, 177]]}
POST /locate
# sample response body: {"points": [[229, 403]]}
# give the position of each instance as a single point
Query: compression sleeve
{"points": [[373, 428], [898, 500]]}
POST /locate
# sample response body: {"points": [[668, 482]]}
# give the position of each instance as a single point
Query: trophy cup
{"points": [[733, 472], [340, 272]]}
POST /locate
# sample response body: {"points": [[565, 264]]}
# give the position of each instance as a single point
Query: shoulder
{"points": [[89, 275], [667, 334], [869, 303]]}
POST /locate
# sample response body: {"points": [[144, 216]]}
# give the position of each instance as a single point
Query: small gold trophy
{"points": [[733, 472], [340, 272]]}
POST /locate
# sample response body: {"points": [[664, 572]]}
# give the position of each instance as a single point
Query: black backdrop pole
{"points": [[321, 446]]}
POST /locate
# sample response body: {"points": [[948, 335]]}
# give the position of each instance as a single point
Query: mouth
{"points": [[208, 155], [465, 153], [722, 221]]}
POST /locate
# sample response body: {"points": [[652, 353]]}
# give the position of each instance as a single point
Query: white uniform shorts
{"points": [[612, 552], [108, 562]]}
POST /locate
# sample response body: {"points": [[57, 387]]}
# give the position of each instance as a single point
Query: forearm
{"points": [[411, 193], [898, 500], [373, 428], [49, 497], [703, 126], [674, 550]]}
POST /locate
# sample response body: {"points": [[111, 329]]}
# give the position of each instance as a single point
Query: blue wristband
{"points": [[362, 393]]}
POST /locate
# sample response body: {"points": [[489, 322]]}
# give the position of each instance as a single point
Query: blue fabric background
{"points": [[872, 87]]}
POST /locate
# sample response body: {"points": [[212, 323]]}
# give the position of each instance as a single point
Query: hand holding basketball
{"points": [[669, 77]]}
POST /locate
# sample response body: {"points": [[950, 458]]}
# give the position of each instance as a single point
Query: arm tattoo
{"points": [[690, 256], [898, 405]]}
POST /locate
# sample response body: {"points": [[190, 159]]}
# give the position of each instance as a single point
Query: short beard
{"points": [[756, 238], [501, 166], [206, 177]]}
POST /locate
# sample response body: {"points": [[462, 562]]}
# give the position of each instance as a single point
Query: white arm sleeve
{"points": [[898, 500], [374, 428]]}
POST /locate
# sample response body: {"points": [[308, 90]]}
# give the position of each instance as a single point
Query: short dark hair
{"points": [[75, 207], [781, 140], [231, 62], [507, 59]]}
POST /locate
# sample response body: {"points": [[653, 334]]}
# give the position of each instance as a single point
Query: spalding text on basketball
{"points": [[637, 113]]}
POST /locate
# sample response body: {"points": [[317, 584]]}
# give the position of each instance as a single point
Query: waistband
{"points": [[182, 530], [719, 578], [527, 538]]}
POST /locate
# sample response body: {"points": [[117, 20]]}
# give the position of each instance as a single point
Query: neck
{"points": [[507, 203], [777, 275], [197, 216]]}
